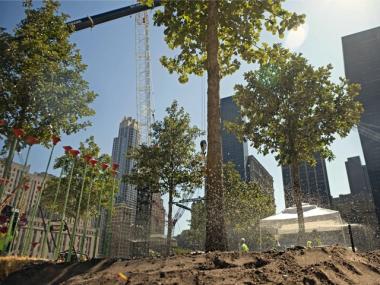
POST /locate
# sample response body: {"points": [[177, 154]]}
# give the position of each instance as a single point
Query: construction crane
{"points": [[143, 76], [183, 205], [143, 101], [91, 21], [142, 54]]}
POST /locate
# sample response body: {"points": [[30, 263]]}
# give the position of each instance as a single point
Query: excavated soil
{"points": [[330, 265]]}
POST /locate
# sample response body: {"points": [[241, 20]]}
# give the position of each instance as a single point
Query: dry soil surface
{"points": [[330, 265]]}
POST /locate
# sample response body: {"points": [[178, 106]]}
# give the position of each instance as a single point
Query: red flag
{"points": [[67, 148], [74, 152], [31, 140], [18, 132], [55, 139], [87, 158], [93, 162]]}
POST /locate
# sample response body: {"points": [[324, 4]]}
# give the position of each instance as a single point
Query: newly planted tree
{"points": [[294, 111], [215, 36], [41, 86], [170, 164]]}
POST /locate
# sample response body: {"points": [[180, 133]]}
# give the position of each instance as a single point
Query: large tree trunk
{"points": [[298, 201], [170, 222], [216, 238]]}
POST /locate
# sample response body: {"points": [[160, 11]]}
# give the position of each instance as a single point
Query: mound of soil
{"points": [[9, 264], [330, 265]]}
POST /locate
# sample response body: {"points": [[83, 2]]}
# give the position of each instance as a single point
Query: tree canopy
{"points": [[41, 86], [170, 165], [239, 28], [171, 158], [294, 110]]}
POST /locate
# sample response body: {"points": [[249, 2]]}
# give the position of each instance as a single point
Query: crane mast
{"points": [[143, 76]]}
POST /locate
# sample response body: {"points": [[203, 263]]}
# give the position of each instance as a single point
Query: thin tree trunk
{"points": [[8, 164], [216, 238], [298, 201], [170, 221]]}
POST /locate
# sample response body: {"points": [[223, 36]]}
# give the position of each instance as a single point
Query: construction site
{"points": [[224, 203]]}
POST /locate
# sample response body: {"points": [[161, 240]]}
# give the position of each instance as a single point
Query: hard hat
{"points": [[242, 239]]}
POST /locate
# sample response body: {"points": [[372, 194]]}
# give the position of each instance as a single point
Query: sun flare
{"points": [[296, 37]]}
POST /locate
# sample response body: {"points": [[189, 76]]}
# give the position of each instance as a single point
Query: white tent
{"points": [[316, 220]]}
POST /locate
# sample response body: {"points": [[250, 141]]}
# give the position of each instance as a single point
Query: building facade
{"points": [[357, 176], [256, 172], [362, 65], [314, 184], [126, 140], [30, 184], [232, 149], [15, 181], [359, 209], [157, 224], [149, 226]]}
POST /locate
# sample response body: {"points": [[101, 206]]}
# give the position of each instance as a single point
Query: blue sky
{"points": [[108, 50]]}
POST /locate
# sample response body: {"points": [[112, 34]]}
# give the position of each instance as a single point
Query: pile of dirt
{"points": [[330, 265], [9, 264]]}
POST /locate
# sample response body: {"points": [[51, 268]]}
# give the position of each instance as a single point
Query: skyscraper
{"points": [[357, 175], [362, 65], [256, 172], [232, 150], [127, 139], [314, 183]]}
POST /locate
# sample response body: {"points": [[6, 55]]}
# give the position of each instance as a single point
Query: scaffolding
{"points": [[141, 240], [121, 231]]}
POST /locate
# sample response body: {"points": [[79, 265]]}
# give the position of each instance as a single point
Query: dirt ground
{"points": [[330, 265]]}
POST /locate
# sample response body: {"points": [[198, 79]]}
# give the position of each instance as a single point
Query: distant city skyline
{"points": [[108, 49], [362, 65]]}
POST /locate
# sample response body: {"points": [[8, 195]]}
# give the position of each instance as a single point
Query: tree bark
{"points": [[216, 238], [298, 201], [170, 221]]}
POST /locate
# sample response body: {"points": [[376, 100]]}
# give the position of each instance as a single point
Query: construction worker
{"points": [[243, 246]]}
